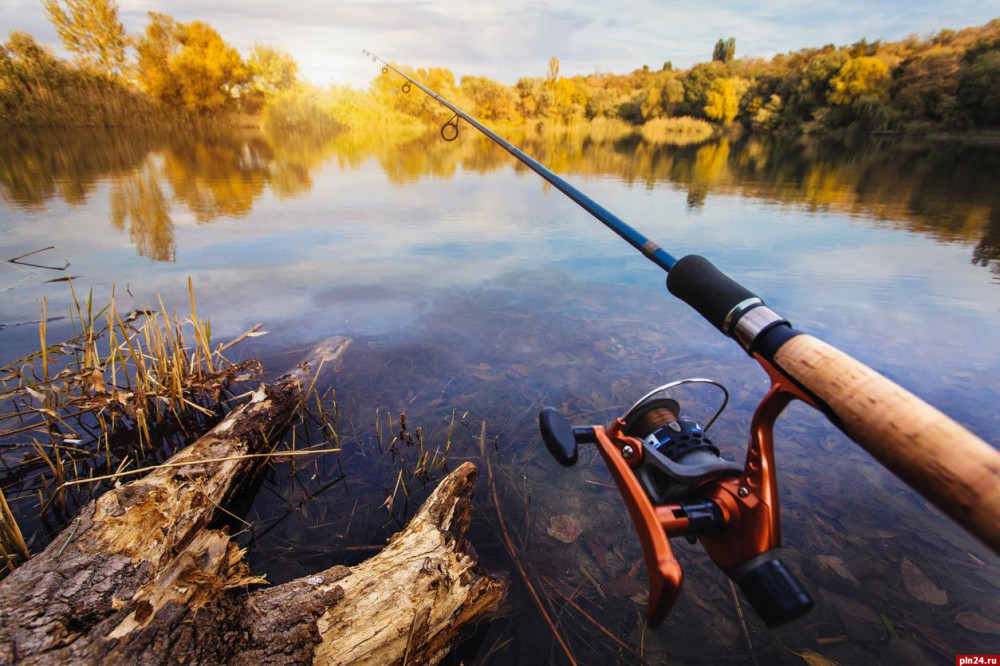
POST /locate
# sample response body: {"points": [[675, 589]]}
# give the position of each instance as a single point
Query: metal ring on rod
{"points": [[452, 134], [406, 87]]}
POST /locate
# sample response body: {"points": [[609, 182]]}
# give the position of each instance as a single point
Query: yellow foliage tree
{"points": [[209, 70], [272, 70], [189, 65], [155, 50], [490, 100], [723, 101], [395, 93], [859, 77], [91, 30]]}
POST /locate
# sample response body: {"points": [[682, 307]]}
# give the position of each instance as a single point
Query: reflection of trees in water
{"points": [[987, 252], [211, 175], [138, 200], [943, 189], [214, 178], [38, 165]]}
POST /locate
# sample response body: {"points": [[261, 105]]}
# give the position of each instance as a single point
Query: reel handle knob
{"points": [[773, 591], [558, 435]]}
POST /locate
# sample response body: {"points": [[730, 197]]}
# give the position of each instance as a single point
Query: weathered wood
{"points": [[137, 578]]}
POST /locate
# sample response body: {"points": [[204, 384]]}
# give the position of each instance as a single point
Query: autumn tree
{"points": [[723, 100], [859, 77], [91, 30], [924, 86], [271, 70], [189, 65], [812, 85], [535, 99], [671, 96], [489, 100], [697, 82], [395, 93], [569, 99], [156, 50]]}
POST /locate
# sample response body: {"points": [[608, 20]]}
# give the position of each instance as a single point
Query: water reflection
{"points": [[943, 189], [219, 174], [482, 298]]}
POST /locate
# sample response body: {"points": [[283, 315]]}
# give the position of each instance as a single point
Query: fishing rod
{"points": [[674, 480], [449, 132]]}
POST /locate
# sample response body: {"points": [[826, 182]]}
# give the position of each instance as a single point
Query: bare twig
{"points": [[513, 551]]}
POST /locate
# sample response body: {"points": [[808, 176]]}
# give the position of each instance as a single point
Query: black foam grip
{"points": [[774, 592], [697, 282]]}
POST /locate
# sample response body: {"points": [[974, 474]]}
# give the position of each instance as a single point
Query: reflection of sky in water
{"points": [[495, 268], [358, 254]]}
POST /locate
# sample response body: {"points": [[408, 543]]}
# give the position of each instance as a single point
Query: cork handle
{"points": [[940, 459]]}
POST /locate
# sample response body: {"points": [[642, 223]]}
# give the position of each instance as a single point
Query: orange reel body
{"points": [[734, 513]]}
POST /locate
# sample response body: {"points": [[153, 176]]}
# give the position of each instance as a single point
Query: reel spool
{"points": [[679, 456]]}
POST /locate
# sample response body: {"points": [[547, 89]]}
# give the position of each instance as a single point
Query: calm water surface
{"points": [[477, 294]]}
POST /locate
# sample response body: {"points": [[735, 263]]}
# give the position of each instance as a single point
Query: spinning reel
{"points": [[675, 482]]}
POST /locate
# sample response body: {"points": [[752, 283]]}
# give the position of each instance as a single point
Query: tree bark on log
{"points": [[137, 578]]}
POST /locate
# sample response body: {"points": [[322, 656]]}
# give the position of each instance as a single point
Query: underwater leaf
{"points": [[906, 651], [564, 528], [484, 372], [815, 659], [860, 621], [978, 623], [836, 565], [626, 586], [920, 586]]}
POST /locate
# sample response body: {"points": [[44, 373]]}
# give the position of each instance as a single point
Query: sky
{"points": [[508, 39]]}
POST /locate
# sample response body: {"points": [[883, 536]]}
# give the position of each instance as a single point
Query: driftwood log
{"points": [[137, 577]]}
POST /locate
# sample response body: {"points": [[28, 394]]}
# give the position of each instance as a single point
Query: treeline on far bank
{"points": [[177, 72]]}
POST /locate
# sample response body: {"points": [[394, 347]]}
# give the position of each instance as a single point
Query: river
{"points": [[477, 294]]}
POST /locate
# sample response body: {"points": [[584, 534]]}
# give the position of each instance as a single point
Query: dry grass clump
{"points": [[679, 131], [126, 389]]}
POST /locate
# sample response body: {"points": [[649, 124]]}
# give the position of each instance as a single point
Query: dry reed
{"points": [[125, 389]]}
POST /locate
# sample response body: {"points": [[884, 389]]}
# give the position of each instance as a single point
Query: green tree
{"points": [[725, 50], [859, 77], [814, 83], [91, 30], [697, 82], [979, 90], [671, 96]]}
